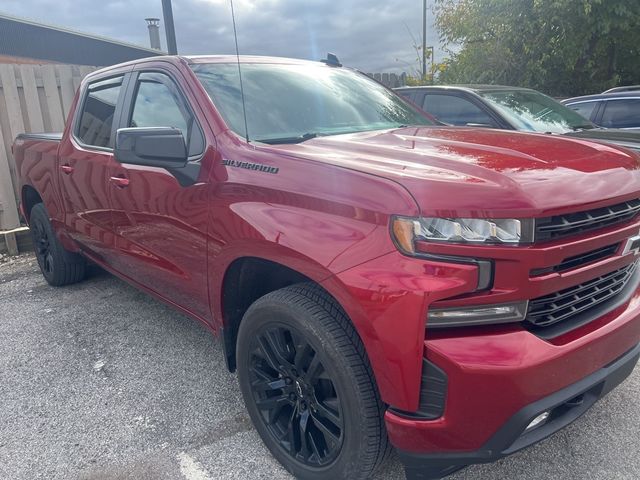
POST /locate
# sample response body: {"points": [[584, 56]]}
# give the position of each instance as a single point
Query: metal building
{"points": [[24, 41]]}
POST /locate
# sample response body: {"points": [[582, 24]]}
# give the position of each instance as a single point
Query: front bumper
{"points": [[565, 406], [491, 372]]}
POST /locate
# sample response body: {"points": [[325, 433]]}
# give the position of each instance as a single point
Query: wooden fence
{"points": [[33, 98], [391, 80]]}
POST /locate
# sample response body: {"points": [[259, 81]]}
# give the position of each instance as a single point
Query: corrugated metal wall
{"points": [[22, 38]]}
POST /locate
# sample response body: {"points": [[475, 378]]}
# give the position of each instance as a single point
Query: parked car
{"points": [[376, 280], [511, 108], [609, 110], [627, 88]]}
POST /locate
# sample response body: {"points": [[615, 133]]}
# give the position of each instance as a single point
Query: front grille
{"points": [[567, 303], [559, 226], [578, 260]]}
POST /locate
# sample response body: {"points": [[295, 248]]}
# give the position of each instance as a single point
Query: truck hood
{"points": [[453, 171]]}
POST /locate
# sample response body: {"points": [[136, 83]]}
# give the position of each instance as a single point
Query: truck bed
{"points": [[52, 137], [36, 157]]}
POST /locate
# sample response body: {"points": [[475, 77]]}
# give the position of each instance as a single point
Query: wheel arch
{"points": [[246, 279], [29, 197]]}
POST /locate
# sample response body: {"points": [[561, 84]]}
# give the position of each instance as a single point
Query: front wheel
{"points": [[308, 386]]}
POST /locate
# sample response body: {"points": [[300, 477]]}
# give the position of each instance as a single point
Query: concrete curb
{"points": [[15, 241]]}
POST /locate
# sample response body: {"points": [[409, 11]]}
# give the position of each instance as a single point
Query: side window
{"points": [[624, 113], [455, 110], [96, 117], [584, 108], [158, 103]]}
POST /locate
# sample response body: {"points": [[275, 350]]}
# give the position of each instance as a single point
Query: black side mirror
{"points": [[162, 147]]}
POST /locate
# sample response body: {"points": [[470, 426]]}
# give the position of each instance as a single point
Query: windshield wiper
{"points": [[586, 126], [282, 140]]}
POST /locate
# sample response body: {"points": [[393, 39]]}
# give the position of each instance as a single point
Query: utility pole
{"points": [[169, 29], [431, 55], [424, 39]]}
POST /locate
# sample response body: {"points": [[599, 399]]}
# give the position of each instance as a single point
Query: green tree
{"points": [[414, 76], [562, 47]]}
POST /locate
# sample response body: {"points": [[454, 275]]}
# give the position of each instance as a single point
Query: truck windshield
{"points": [[293, 103], [532, 111]]}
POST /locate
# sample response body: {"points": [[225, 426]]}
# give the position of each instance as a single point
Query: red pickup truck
{"points": [[377, 280]]}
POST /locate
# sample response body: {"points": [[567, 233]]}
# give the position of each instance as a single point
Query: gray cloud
{"points": [[365, 34]]}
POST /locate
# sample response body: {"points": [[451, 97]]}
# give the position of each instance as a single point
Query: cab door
{"points": [[85, 159], [160, 218]]}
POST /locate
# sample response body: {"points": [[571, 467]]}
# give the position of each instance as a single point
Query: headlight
{"points": [[478, 315], [406, 231]]}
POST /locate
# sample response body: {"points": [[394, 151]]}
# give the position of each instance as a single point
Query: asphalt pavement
{"points": [[99, 381]]}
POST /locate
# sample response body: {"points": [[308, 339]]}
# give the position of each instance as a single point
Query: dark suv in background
{"points": [[617, 109], [511, 108]]}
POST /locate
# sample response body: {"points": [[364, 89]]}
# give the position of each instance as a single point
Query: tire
{"points": [[58, 266], [308, 386]]}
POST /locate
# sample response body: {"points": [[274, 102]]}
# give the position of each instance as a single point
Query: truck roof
{"points": [[193, 59], [246, 59]]}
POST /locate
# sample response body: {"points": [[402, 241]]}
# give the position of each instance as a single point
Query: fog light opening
{"points": [[538, 421]]}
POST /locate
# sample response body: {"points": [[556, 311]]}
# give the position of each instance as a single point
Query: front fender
{"points": [[330, 224], [295, 219], [387, 300]]}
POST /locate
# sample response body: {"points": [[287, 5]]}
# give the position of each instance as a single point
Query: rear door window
{"points": [[98, 109], [585, 109], [623, 113], [455, 110]]}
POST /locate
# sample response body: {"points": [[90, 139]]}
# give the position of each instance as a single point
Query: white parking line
{"points": [[191, 469]]}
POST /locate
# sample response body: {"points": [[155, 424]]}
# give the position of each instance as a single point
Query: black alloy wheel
{"points": [[59, 266], [296, 395], [42, 246], [308, 386]]}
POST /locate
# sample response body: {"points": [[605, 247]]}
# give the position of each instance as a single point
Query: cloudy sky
{"points": [[367, 34]]}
